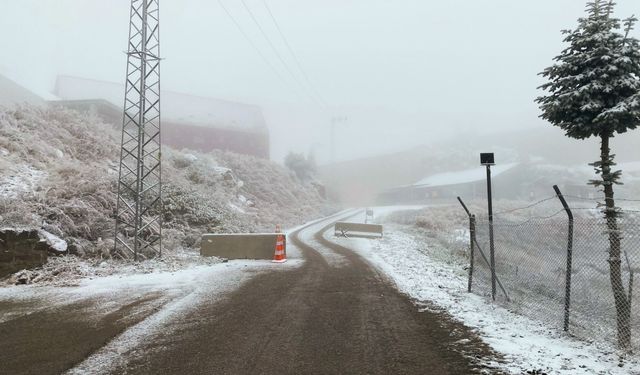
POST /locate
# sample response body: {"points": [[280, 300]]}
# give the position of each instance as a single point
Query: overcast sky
{"points": [[403, 72]]}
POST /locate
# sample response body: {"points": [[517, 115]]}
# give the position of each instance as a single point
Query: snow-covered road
{"points": [[325, 310], [131, 306], [105, 324]]}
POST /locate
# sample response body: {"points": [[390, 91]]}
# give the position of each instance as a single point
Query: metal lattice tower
{"points": [[139, 207]]}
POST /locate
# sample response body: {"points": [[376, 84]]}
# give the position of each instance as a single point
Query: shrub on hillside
{"points": [[304, 168], [59, 172]]}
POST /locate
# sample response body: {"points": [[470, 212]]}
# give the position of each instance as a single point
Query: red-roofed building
{"points": [[188, 121]]}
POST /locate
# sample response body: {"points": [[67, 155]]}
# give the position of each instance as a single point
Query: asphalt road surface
{"points": [[318, 318]]}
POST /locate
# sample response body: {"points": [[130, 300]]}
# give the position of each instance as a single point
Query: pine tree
{"points": [[594, 91]]}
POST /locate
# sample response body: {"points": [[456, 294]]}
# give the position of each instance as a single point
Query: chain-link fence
{"points": [[562, 272]]}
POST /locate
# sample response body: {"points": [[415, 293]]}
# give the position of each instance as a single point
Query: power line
{"points": [[255, 47], [275, 50], [530, 219], [526, 207], [605, 198], [293, 54]]}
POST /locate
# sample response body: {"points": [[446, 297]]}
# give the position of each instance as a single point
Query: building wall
{"points": [[182, 135], [206, 139], [504, 186], [520, 183]]}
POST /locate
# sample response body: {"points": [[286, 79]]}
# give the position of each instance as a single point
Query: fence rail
{"points": [[558, 269]]}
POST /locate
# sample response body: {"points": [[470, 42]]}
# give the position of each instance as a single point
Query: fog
{"points": [[403, 73]]}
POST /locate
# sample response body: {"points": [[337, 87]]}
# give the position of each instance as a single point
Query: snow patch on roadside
{"points": [[110, 292], [20, 179], [193, 286], [56, 243], [426, 273], [179, 291]]}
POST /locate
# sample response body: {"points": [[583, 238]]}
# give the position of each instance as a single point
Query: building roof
{"points": [[176, 107], [12, 93], [463, 177]]}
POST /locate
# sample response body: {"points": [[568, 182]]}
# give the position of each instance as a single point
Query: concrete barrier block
{"points": [[240, 245], [356, 229]]}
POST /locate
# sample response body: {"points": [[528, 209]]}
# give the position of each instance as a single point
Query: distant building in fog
{"points": [[470, 183], [513, 181], [188, 121]]}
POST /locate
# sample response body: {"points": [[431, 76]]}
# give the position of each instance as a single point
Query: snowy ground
{"points": [[19, 179], [188, 289], [71, 270], [429, 274], [185, 290], [166, 297], [424, 271], [181, 286]]}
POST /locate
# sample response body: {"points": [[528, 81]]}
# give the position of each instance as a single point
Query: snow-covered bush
{"points": [[58, 172], [303, 167]]}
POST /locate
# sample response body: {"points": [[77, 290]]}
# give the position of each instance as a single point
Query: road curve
{"points": [[315, 319]]}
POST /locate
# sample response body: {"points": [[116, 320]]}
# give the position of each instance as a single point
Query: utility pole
{"points": [[139, 207], [487, 159]]}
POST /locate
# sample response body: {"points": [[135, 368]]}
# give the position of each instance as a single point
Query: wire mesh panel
{"points": [[530, 265], [594, 309], [531, 271]]}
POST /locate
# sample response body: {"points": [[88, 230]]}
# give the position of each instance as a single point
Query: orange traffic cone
{"points": [[280, 256]]}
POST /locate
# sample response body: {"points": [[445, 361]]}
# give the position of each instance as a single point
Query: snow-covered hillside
{"points": [[58, 172]]}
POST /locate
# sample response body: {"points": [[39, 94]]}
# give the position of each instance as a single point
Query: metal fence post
{"points": [[472, 239], [630, 287], [492, 251], [567, 285]]}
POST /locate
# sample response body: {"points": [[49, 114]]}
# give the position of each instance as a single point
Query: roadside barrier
{"points": [[240, 245], [346, 229], [280, 255]]}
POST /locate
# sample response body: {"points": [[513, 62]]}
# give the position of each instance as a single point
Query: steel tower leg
{"points": [[139, 207]]}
